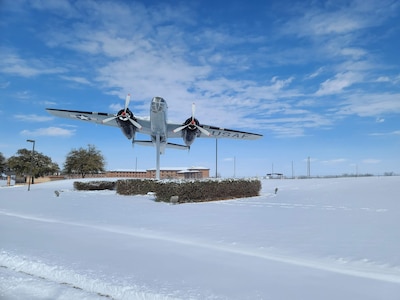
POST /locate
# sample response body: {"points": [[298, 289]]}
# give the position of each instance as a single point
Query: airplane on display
{"points": [[157, 127]]}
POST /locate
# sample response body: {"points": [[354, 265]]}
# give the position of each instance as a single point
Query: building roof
{"points": [[188, 171], [178, 169], [126, 170]]}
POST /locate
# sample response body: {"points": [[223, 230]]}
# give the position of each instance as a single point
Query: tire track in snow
{"points": [[38, 277], [62, 277], [383, 274], [308, 206]]}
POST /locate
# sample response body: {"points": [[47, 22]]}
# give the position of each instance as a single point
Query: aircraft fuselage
{"points": [[158, 121]]}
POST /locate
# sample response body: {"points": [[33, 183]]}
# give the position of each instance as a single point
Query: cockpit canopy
{"points": [[158, 104]]}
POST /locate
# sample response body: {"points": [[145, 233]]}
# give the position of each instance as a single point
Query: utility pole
{"points": [[292, 170], [308, 168], [216, 158], [31, 167], [234, 167]]}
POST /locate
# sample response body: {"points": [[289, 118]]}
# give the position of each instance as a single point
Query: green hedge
{"points": [[191, 191], [135, 186], [94, 185], [187, 191]]}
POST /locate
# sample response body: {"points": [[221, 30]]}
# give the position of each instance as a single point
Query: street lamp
{"points": [[31, 167]]}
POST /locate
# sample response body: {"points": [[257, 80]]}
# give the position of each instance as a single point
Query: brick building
{"points": [[165, 173]]}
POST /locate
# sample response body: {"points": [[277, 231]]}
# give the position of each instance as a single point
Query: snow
{"points": [[314, 239]]}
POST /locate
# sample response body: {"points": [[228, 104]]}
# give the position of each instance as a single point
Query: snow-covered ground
{"points": [[314, 239]]}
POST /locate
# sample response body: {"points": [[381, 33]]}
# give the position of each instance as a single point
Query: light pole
{"points": [[216, 158], [31, 167]]}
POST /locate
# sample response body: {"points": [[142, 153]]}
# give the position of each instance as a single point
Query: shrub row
{"points": [[94, 185], [191, 191], [135, 186]]}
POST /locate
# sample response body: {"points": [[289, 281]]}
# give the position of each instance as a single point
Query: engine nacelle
{"points": [[123, 120], [190, 132]]}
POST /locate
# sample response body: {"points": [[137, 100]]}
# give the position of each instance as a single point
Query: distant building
{"points": [[274, 175], [165, 173], [126, 173]]}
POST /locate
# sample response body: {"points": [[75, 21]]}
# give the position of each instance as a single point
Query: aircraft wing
{"points": [[217, 132], [95, 117]]}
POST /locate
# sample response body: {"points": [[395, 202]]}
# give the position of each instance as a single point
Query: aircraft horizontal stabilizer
{"points": [[143, 143], [168, 145], [177, 146]]}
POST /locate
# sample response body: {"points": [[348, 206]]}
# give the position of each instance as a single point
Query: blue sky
{"points": [[318, 79]]}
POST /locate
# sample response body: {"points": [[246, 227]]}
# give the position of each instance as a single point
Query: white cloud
{"points": [[77, 79], [229, 159], [50, 131], [33, 118], [60, 7], [335, 19], [371, 161], [11, 63], [115, 107], [396, 132], [23, 95], [391, 79], [353, 52], [48, 103], [4, 85], [334, 161], [371, 105], [338, 83], [316, 73], [383, 79]]}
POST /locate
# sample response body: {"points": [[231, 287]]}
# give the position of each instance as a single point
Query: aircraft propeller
{"points": [[192, 123], [124, 114]]}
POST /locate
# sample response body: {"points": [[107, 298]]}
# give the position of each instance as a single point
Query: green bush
{"points": [[187, 191], [94, 185], [135, 186], [191, 191]]}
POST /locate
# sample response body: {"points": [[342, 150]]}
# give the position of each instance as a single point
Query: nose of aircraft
{"points": [[157, 104]]}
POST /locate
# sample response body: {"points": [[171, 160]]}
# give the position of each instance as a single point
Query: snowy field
{"points": [[314, 239]]}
